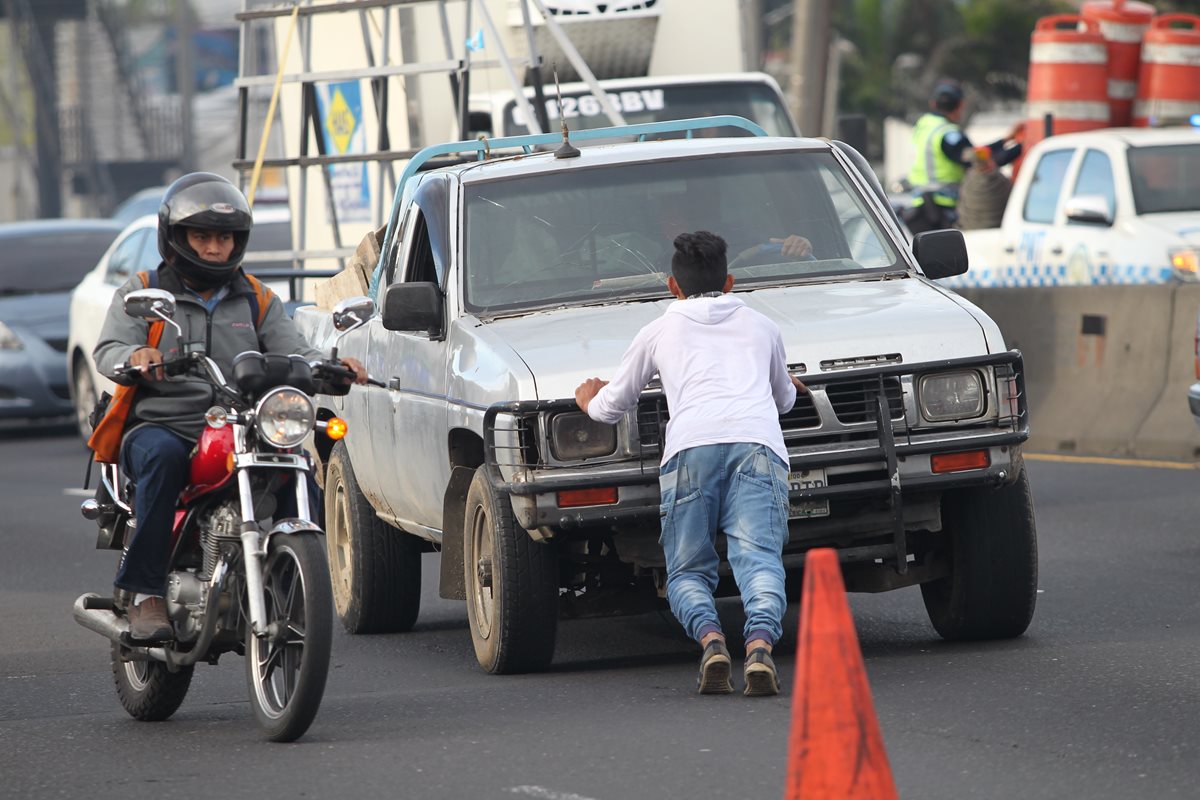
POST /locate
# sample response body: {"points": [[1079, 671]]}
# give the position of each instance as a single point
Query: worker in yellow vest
{"points": [[942, 155]]}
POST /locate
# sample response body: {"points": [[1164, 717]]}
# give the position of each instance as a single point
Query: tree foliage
{"points": [[901, 48]]}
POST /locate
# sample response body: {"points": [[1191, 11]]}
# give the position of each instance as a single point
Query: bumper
{"points": [[1194, 401], [33, 383], [883, 458]]}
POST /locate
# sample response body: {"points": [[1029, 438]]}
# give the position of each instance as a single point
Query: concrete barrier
{"points": [[1107, 367]]}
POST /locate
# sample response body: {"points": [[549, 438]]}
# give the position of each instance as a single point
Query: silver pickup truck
{"points": [[505, 281]]}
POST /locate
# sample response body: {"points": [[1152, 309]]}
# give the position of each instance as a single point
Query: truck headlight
{"points": [[1185, 261], [8, 339], [951, 395], [574, 435], [284, 416]]}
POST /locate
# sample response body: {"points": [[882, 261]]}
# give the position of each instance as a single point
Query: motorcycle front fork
{"points": [[253, 548]]}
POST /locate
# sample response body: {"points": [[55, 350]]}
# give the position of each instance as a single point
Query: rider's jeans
{"points": [[740, 489], [157, 461]]}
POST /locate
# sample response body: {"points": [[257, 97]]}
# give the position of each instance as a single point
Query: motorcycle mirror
{"points": [[150, 304], [352, 312]]}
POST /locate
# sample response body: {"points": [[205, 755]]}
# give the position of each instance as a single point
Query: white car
{"points": [[136, 250], [1111, 206]]}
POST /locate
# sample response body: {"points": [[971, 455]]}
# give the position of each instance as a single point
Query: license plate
{"points": [[800, 481]]}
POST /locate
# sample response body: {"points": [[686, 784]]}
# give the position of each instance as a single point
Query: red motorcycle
{"points": [[239, 579]]}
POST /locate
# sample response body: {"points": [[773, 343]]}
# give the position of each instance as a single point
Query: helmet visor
{"points": [[218, 206]]}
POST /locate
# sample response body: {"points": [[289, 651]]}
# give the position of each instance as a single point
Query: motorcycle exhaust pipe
{"points": [[96, 614]]}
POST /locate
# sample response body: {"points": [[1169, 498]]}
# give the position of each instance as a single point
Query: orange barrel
{"points": [[1122, 23], [1169, 83], [1068, 77]]}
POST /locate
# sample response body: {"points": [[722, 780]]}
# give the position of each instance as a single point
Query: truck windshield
{"points": [[757, 102], [595, 235], [1165, 178]]}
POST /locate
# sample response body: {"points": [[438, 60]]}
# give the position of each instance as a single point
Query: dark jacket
{"points": [[179, 402]]}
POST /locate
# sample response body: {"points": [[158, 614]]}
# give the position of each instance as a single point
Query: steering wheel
{"points": [[764, 253]]}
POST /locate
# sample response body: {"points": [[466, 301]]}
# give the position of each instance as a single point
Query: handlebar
{"points": [[171, 367], [335, 369]]}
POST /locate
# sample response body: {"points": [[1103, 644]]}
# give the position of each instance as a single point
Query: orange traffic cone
{"points": [[835, 751]]}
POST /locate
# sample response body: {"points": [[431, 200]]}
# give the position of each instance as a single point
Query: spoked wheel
{"points": [[84, 392], [147, 689], [287, 667]]}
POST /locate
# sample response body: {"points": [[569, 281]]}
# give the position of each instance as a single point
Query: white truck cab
{"points": [[753, 95], [1111, 206]]}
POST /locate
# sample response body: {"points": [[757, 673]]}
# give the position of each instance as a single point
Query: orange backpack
{"points": [[105, 440]]}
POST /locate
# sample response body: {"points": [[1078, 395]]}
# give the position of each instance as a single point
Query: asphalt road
{"points": [[1101, 699]]}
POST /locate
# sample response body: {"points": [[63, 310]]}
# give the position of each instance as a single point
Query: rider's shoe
{"points": [[148, 620]]}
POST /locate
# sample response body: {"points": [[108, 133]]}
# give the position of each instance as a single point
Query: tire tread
{"points": [[387, 563]]}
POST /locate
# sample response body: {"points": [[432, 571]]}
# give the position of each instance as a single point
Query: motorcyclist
{"points": [[204, 225]]}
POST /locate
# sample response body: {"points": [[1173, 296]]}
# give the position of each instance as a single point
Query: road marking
{"points": [[79, 492], [546, 794], [1119, 462]]}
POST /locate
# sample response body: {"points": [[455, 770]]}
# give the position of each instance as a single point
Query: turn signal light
{"points": [[335, 428], [958, 462], [587, 497]]}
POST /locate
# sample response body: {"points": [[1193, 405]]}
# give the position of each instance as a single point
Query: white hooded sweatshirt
{"points": [[723, 369]]}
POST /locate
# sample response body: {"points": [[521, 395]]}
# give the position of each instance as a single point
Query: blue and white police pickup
{"points": [[1110, 206], [504, 282]]}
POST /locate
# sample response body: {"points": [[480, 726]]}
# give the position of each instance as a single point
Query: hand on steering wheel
{"points": [[791, 248]]}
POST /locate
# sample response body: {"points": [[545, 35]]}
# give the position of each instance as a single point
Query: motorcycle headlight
{"points": [[285, 416], [574, 435], [8, 339], [951, 395]]}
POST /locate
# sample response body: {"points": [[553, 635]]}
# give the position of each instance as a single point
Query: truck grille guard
{"points": [[872, 424]]}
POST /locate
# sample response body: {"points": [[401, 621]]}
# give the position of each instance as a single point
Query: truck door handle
{"points": [[393, 384], [1057, 250], [1010, 249]]}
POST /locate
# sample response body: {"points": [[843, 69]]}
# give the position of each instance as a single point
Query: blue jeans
{"points": [[157, 461], [740, 489]]}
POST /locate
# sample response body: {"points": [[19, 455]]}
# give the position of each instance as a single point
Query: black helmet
{"points": [[202, 200], [947, 96]]}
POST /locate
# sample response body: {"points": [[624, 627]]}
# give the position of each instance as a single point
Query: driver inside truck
{"points": [[697, 205]]}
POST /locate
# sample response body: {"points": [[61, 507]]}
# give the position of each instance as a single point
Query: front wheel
{"points": [[375, 568], [512, 585], [287, 668], [992, 586], [147, 689]]}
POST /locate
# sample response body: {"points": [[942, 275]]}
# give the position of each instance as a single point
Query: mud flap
{"points": [[454, 513]]}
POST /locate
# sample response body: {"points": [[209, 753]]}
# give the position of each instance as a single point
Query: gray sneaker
{"points": [[715, 668], [148, 621], [761, 676]]}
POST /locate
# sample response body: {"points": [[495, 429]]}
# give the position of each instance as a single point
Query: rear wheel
{"points": [[84, 397], [287, 667], [992, 586], [375, 568], [512, 585], [147, 689]]}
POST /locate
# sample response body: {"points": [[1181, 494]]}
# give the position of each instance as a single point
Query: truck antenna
{"points": [[566, 150]]}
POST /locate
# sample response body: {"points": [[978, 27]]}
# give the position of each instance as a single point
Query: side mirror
{"points": [[352, 312], [941, 254], [151, 305], [1089, 208], [413, 306]]}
